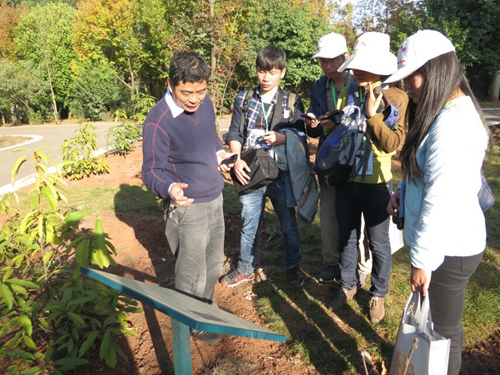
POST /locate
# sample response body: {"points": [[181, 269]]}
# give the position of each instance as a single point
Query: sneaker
{"points": [[295, 276], [234, 278], [206, 337], [340, 299], [329, 274], [377, 309]]}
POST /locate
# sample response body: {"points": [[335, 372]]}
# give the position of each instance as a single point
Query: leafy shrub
{"points": [[120, 138], [142, 106], [96, 91], [52, 319], [78, 158]]}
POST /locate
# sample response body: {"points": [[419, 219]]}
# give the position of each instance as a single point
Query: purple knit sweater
{"points": [[182, 149]]}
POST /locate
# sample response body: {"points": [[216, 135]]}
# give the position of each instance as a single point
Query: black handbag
{"points": [[264, 170]]}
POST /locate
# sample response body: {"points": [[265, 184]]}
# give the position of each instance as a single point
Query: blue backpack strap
{"points": [[350, 96]]}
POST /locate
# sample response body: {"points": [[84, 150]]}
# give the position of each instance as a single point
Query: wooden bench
{"points": [[185, 312]]}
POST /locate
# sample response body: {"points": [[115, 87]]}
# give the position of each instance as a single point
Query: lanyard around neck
{"points": [[334, 92], [266, 114]]}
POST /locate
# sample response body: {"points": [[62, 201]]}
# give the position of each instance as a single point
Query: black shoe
{"points": [[329, 274], [295, 276]]}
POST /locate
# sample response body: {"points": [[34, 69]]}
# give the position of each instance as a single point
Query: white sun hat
{"points": [[330, 46], [417, 49], [372, 54]]}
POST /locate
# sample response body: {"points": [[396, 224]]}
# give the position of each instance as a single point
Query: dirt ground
{"points": [[143, 255]]}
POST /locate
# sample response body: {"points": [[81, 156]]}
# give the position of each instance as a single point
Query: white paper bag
{"points": [[430, 354], [395, 237]]}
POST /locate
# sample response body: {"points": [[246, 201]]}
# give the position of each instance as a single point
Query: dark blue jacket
{"points": [[318, 107]]}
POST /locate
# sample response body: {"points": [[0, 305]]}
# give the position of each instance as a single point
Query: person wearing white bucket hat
{"points": [[367, 195], [442, 159], [332, 52]]}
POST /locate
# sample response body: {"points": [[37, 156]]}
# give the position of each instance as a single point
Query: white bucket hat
{"points": [[330, 46], [372, 54], [417, 49]]}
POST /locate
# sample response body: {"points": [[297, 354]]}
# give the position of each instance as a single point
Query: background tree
{"points": [[24, 94], [297, 31], [96, 91], [221, 39], [127, 35], [9, 18], [44, 36], [473, 26]]}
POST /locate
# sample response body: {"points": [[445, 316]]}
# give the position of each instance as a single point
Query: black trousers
{"points": [[447, 296]]}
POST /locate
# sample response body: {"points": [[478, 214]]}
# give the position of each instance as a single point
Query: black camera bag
{"points": [[264, 170]]}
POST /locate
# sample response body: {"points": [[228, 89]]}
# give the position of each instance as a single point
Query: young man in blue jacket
{"points": [[268, 111], [182, 157]]}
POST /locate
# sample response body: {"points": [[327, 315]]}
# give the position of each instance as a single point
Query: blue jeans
{"points": [[251, 215], [446, 298], [370, 200]]}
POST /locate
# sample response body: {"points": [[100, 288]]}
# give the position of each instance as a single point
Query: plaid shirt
{"points": [[250, 116], [254, 110]]}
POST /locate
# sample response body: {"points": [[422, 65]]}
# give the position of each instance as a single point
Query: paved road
{"points": [[50, 137], [492, 116]]}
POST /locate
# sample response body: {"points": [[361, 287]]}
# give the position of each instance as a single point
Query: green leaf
{"points": [[24, 283], [111, 356], [33, 371], [82, 300], [82, 252], [51, 197], [103, 352], [99, 234], [74, 218], [88, 342], [53, 238], [29, 342], [7, 325], [6, 295], [17, 165], [48, 354], [19, 290], [26, 324], [73, 361], [7, 274], [77, 319], [47, 256]]}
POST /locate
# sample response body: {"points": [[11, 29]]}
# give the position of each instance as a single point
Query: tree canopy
{"points": [[129, 43]]}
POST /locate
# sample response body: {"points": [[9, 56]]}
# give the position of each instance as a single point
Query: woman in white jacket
{"points": [[442, 159]]}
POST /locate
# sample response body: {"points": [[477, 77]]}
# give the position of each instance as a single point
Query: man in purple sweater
{"points": [[182, 157]]}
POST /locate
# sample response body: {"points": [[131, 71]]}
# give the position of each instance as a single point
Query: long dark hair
{"points": [[442, 76]]}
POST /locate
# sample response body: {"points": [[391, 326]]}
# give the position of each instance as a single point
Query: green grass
{"points": [[11, 140], [123, 198]]}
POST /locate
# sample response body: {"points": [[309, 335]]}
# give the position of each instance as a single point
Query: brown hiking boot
{"points": [[377, 309], [341, 298]]}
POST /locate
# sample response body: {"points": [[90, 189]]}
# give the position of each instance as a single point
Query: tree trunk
{"points": [[213, 60], [495, 88], [54, 104]]}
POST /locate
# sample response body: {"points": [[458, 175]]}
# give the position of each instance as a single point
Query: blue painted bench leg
{"points": [[181, 340]]}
